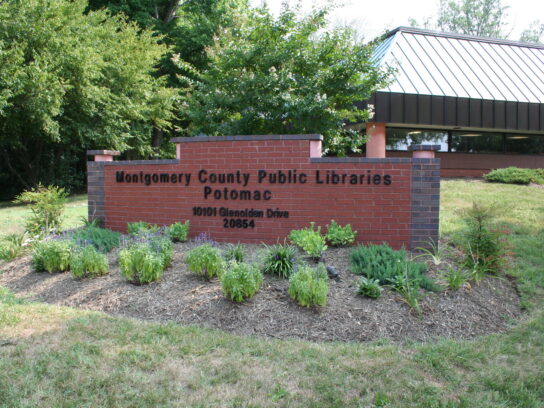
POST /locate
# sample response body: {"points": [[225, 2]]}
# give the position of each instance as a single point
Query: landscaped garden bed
{"points": [[182, 296]]}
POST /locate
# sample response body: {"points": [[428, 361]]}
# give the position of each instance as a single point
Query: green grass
{"points": [[60, 357], [12, 216]]}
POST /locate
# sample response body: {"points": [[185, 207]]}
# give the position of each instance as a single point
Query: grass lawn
{"points": [[61, 357]]}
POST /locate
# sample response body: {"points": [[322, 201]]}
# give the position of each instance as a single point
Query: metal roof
{"points": [[462, 66]]}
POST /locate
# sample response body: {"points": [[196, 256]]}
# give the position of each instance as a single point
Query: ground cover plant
{"points": [[309, 286], [369, 287], [241, 281], [87, 262], [102, 239], [280, 260], [11, 246], [340, 236], [206, 261], [310, 241], [235, 252], [52, 255], [515, 175], [65, 356], [178, 232]]}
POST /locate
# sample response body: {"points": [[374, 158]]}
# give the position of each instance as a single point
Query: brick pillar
{"points": [[375, 147], [95, 183]]}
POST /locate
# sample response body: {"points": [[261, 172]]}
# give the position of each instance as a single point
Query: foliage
{"points": [[102, 239], [456, 278], [482, 242], [340, 236], [73, 80], [534, 33], [285, 75], [383, 263], [140, 265], [369, 287], [408, 289], [135, 228], [52, 256], [311, 241], [515, 175], [241, 281], [280, 260], [206, 261], [436, 252], [235, 252], [309, 286], [11, 246], [87, 262], [46, 205], [178, 232]]}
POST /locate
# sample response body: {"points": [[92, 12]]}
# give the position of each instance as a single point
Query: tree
{"points": [[284, 75], [533, 33], [69, 81], [482, 18]]}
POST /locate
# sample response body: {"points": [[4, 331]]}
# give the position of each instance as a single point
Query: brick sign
{"points": [[259, 188]]}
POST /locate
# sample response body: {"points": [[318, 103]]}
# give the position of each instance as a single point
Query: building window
{"points": [[400, 139], [476, 142], [525, 144]]}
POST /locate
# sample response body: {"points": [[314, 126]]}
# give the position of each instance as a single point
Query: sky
{"points": [[372, 17]]}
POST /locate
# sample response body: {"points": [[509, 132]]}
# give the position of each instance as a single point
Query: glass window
{"points": [[476, 142], [525, 144], [400, 139]]}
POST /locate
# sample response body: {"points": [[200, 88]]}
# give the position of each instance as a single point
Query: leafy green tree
{"points": [[534, 33], [69, 81], [483, 18], [284, 75]]}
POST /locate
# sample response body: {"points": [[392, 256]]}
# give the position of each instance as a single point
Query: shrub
{"points": [[141, 265], [515, 175], [11, 246], [178, 232], [205, 261], [241, 281], [134, 228], [280, 260], [383, 263], [235, 253], [311, 241], [102, 239], [369, 287], [87, 262], [46, 205], [52, 256], [340, 236], [481, 241], [309, 286]]}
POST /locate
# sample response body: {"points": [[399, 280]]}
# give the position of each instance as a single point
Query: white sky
{"points": [[372, 17]]}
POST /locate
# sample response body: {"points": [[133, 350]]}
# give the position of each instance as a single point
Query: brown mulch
{"points": [[181, 297]]}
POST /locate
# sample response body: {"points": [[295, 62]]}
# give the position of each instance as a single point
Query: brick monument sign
{"points": [[257, 189]]}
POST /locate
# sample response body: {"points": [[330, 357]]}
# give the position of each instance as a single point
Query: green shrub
{"points": [[515, 175], [134, 228], [102, 239], [369, 287], [87, 262], [11, 246], [235, 253], [141, 265], [383, 263], [280, 260], [178, 232], [310, 241], [481, 242], [340, 236], [309, 286], [52, 256], [206, 261], [241, 281], [46, 205]]}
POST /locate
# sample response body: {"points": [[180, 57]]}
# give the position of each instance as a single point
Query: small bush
{"points": [[141, 265], [235, 253], [383, 263], [205, 261], [280, 260], [102, 239], [46, 205], [134, 228], [481, 242], [178, 232], [87, 262], [309, 286], [515, 175], [241, 281], [369, 287], [310, 241], [52, 256], [11, 246], [340, 236]]}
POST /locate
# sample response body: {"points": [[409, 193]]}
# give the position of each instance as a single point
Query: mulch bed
{"points": [[182, 297]]}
